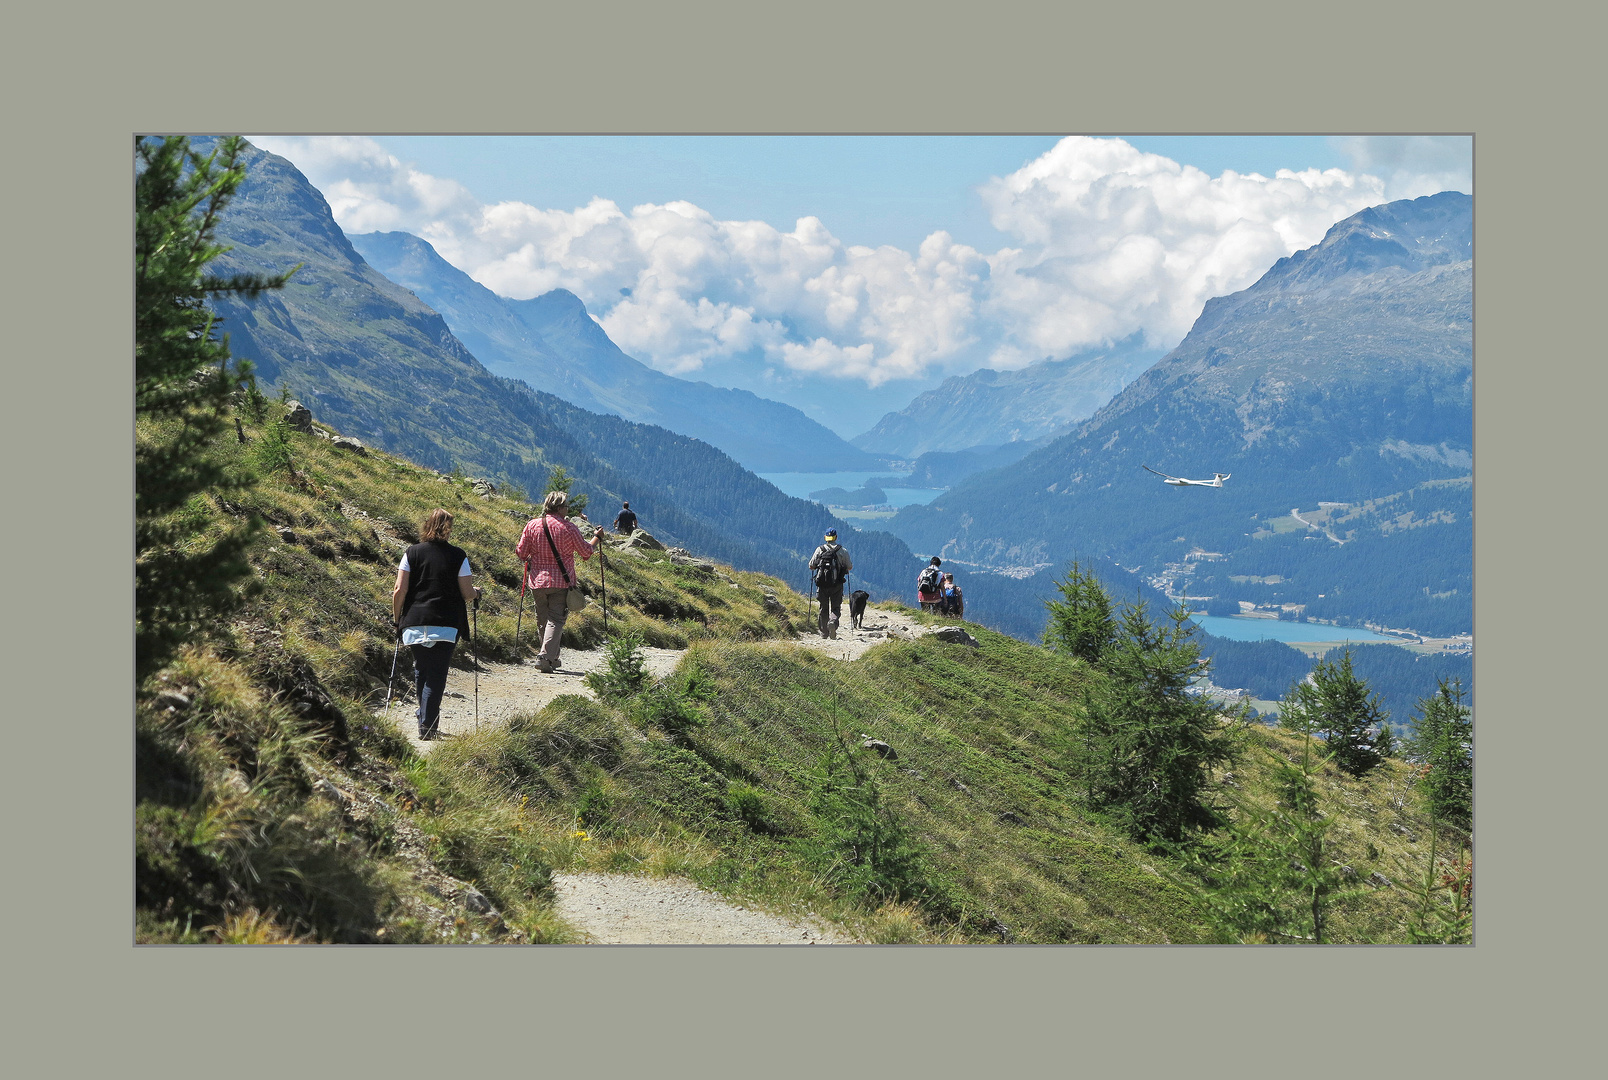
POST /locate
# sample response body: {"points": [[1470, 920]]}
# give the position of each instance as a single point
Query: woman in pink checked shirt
{"points": [[548, 548]]}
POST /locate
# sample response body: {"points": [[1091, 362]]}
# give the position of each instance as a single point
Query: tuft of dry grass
{"points": [[253, 927]]}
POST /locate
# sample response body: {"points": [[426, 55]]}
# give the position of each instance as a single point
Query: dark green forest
{"points": [[1418, 576], [1399, 676]]}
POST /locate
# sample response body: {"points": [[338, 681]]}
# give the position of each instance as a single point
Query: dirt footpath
{"points": [[616, 909], [851, 644], [507, 689]]}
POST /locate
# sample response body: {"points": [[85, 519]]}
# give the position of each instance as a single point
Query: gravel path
{"points": [[616, 909], [619, 909], [507, 689], [851, 644]]}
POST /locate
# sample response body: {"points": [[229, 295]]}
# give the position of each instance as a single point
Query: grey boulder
{"points": [[880, 747], [954, 635]]}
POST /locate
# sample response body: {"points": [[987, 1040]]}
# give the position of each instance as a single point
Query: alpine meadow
{"points": [[656, 726]]}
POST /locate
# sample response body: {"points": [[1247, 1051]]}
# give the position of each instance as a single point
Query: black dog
{"points": [[857, 600]]}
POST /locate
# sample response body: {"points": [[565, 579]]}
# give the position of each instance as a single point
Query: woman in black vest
{"points": [[430, 607]]}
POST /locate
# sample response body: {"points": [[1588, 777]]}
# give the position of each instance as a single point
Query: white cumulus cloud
{"points": [[1105, 242], [1115, 241]]}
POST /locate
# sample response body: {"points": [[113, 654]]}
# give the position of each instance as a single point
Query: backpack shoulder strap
{"points": [[556, 556]]}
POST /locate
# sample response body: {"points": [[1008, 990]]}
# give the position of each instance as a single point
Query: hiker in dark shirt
{"points": [[929, 585], [625, 522], [830, 566], [430, 608]]}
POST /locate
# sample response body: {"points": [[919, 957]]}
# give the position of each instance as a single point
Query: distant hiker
{"points": [[831, 565], [430, 608], [930, 584], [626, 520], [548, 547], [951, 602]]}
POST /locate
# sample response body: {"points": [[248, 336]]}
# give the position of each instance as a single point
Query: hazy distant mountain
{"points": [[1343, 375], [551, 343], [946, 468], [990, 408], [370, 358]]}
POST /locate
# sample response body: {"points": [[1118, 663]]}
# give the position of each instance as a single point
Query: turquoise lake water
{"points": [[1243, 628], [799, 485]]}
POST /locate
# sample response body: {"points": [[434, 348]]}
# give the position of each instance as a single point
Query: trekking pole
{"points": [[519, 657], [391, 682], [474, 642], [603, 580]]}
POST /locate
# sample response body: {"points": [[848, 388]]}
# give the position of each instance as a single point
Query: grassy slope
{"points": [[273, 806]]}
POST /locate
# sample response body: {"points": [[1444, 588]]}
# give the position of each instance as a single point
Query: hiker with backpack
{"points": [[929, 585], [625, 522], [952, 602], [830, 565], [430, 608], [548, 548]]}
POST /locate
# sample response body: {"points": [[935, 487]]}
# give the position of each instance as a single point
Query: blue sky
{"points": [[869, 190], [845, 274]]}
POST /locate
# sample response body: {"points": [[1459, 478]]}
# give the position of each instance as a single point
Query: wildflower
{"points": [[580, 834]]}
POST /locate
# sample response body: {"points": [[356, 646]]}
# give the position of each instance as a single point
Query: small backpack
{"points": [[827, 575]]}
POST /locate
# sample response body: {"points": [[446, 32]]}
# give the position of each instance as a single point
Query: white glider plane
{"points": [[1177, 481]]}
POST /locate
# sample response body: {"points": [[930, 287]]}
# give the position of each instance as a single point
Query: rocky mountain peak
{"points": [[1407, 236]]}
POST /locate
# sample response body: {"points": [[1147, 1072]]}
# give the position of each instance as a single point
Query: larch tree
{"points": [[1149, 744], [1443, 741], [1337, 706], [189, 562], [1081, 622]]}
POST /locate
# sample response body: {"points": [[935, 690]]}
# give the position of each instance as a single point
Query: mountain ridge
{"points": [[1344, 374], [991, 408], [552, 343], [371, 358]]}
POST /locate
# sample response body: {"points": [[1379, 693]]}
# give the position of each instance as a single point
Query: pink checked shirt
{"points": [[543, 570]]}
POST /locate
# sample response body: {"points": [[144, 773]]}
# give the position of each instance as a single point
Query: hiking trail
{"points": [[509, 689], [621, 909], [625, 909]]}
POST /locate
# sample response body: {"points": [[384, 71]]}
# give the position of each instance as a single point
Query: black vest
{"points": [[433, 597]]}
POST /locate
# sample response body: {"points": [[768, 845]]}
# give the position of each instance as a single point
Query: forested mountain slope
{"points": [[552, 344], [1343, 376], [367, 356]]}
